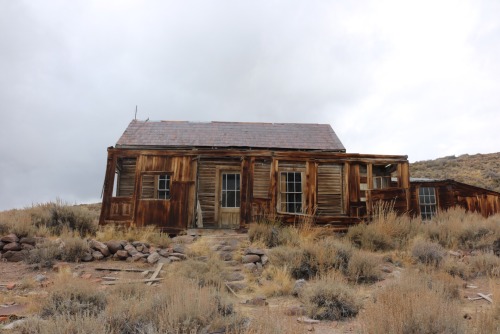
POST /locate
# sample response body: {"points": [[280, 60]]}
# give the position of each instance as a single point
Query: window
{"points": [[381, 182], [163, 190], [382, 175], [427, 200], [291, 192], [230, 190]]}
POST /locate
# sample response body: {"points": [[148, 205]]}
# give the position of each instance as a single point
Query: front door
{"points": [[229, 199]]}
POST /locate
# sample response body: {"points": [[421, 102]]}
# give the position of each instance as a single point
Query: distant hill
{"points": [[481, 170]]}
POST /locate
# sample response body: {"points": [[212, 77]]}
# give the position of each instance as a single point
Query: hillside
{"points": [[482, 170]]}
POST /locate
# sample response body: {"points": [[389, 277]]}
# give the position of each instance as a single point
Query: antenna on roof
{"points": [[135, 117]]}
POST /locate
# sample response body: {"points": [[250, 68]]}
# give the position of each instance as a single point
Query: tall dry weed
{"points": [[415, 304]]}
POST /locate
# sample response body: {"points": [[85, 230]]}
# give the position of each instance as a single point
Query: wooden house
{"points": [[430, 195], [181, 175]]}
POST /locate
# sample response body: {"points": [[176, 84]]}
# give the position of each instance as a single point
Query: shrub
{"points": [[486, 264], [271, 234], [427, 252], [278, 281], [61, 217], [209, 273], [456, 268], [412, 305], [364, 267], [44, 254], [329, 298], [73, 297], [74, 249]]}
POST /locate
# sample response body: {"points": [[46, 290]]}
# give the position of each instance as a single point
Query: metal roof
{"points": [[296, 136]]}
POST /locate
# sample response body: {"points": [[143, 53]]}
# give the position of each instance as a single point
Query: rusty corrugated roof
{"points": [[231, 134]]}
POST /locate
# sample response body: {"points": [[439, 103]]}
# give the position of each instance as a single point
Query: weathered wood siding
{"points": [[330, 190], [126, 177]]}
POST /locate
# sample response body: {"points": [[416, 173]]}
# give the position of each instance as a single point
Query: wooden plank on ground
{"points": [[132, 281], [157, 271], [121, 269], [487, 297]]}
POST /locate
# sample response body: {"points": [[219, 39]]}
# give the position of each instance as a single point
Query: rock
{"points": [[255, 251], [386, 269], [298, 286], [236, 286], [86, 276], [28, 240], [99, 246], [295, 310], [250, 266], [226, 256], [114, 246], [250, 258], [164, 252], [164, 260], [179, 248], [140, 248], [153, 258], [259, 267], [87, 257], [130, 249], [12, 246], [185, 239], [9, 238], [61, 267], [97, 255], [2, 244], [257, 301], [227, 249], [264, 259], [234, 276], [14, 256], [179, 255], [27, 247], [306, 320], [40, 278], [136, 257], [11, 286], [174, 258], [121, 254]]}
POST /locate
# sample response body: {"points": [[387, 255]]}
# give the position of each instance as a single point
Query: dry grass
{"points": [[278, 282], [416, 304], [363, 267], [330, 298], [149, 234], [427, 252], [488, 321]]}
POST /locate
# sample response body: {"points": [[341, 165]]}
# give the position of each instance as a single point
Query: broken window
{"points": [[382, 175], [291, 192], [427, 201]]}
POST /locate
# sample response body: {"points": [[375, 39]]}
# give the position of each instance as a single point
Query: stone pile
{"points": [[254, 259], [15, 249]]}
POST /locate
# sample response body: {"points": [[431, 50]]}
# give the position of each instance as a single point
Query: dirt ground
{"points": [[20, 285]]}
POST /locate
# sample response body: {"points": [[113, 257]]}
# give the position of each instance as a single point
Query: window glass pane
{"points": [[231, 201]]}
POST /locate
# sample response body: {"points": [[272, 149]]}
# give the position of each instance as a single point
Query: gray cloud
{"points": [[415, 78]]}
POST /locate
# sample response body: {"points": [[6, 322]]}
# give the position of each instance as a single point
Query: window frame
{"points": [[167, 189], [283, 207], [156, 183], [236, 193], [429, 208]]}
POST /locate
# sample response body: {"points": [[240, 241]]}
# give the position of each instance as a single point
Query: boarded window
{"points": [[427, 200], [291, 192], [261, 179], [126, 176], [330, 185]]}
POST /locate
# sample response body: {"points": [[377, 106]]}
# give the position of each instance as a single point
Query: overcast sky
{"points": [[420, 78]]}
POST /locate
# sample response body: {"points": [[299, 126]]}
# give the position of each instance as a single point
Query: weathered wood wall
{"points": [[335, 192]]}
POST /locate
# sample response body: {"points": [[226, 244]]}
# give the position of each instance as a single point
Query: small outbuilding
{"points": [[181, 175], [430, 195]]}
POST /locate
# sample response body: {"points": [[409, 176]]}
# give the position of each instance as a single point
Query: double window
{"points": [[427, 200], [291, 192]]}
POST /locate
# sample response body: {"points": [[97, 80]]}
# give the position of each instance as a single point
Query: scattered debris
{"points": [[157, 271], [132, 281], [306, 320]]}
